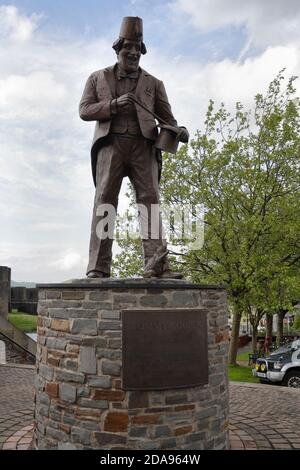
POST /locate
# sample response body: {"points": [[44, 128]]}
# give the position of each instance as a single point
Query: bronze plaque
{"points": [[164, 349]]}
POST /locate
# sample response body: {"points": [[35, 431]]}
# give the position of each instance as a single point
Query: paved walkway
{"points": [[16, 406], [264, 416], [261, 416]]}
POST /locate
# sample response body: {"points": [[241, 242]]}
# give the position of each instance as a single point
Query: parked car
{"points": [[281, 366]]}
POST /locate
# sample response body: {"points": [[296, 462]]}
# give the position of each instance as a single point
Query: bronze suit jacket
{"points": [[100, 89]]}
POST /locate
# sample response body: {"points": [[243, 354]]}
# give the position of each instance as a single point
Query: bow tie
{"points": [[132, 75]]}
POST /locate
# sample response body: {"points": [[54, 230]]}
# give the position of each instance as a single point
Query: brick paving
{"points": [[16, 406], [20, 440], [261, 416], [264, 417]]}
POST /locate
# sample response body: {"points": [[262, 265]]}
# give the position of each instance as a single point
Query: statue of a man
{"points": [[124, 144]]}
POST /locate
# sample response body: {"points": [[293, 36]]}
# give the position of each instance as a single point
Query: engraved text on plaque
{"points": [[164, 349]]}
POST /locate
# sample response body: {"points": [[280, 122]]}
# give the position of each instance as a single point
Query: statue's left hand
{"points": [[183, 135]]}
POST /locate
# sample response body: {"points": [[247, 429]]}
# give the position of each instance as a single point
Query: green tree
{"points": [[296, 323], [128, 262], [244, 168]]}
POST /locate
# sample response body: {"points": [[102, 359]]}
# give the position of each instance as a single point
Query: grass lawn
{"points": [[23, 321], [241, 374], [244, 356]]}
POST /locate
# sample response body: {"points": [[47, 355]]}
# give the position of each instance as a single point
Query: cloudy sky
{"points": [[227, 50]]}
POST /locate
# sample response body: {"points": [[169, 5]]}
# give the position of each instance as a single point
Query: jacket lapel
{"points": [[109, 76], [142, 87]]}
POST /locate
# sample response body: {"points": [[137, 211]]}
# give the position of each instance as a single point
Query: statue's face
{"points": [[130, 54]]}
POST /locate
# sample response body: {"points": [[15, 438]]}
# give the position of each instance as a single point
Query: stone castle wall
{"points": [[24, 299], [5, 274]]}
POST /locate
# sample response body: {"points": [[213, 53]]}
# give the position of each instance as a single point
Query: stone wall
{"points": [[24, 299], [5, 274], [80, 402]]}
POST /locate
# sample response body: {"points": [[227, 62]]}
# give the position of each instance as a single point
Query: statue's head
{"points": [[130, 46]]}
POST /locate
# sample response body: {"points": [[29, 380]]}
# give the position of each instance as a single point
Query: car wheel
{"points": [[292, 379]]}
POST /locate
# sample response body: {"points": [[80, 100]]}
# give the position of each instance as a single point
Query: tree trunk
{"points": [[254, 339], [269, 328], [234, 341], [279, 338]]}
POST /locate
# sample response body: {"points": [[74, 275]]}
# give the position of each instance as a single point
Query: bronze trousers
{"points": [[124, 156]]}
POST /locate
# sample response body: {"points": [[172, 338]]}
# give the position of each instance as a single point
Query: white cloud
{"points": [[190, 86], [268, 22], [67, 262], [15, 26], [42, 262], [45, 177], [53, 226], [25, 96]]}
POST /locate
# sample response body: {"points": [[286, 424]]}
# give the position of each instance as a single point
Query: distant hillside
{"points": [[22, 284]]}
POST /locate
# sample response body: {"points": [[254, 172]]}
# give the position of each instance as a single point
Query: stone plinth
{"points": [[5, 273], [80, 402]]}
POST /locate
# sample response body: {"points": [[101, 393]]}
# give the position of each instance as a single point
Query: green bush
{"points": [[296, 324]]}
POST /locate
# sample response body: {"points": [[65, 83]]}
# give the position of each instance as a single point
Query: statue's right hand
{"points": [[125, 101]]}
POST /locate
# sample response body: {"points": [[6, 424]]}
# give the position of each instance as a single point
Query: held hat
{"points": [[167, 139], [132, 29]]}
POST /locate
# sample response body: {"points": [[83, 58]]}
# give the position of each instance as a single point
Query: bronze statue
{"points": [[126, 101]]}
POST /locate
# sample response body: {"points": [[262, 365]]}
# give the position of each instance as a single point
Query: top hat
{"points": [[132, 29], [167, 139]]}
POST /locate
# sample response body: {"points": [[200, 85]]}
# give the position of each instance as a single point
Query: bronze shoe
{"points": [[97, 274], [168, 274]]}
